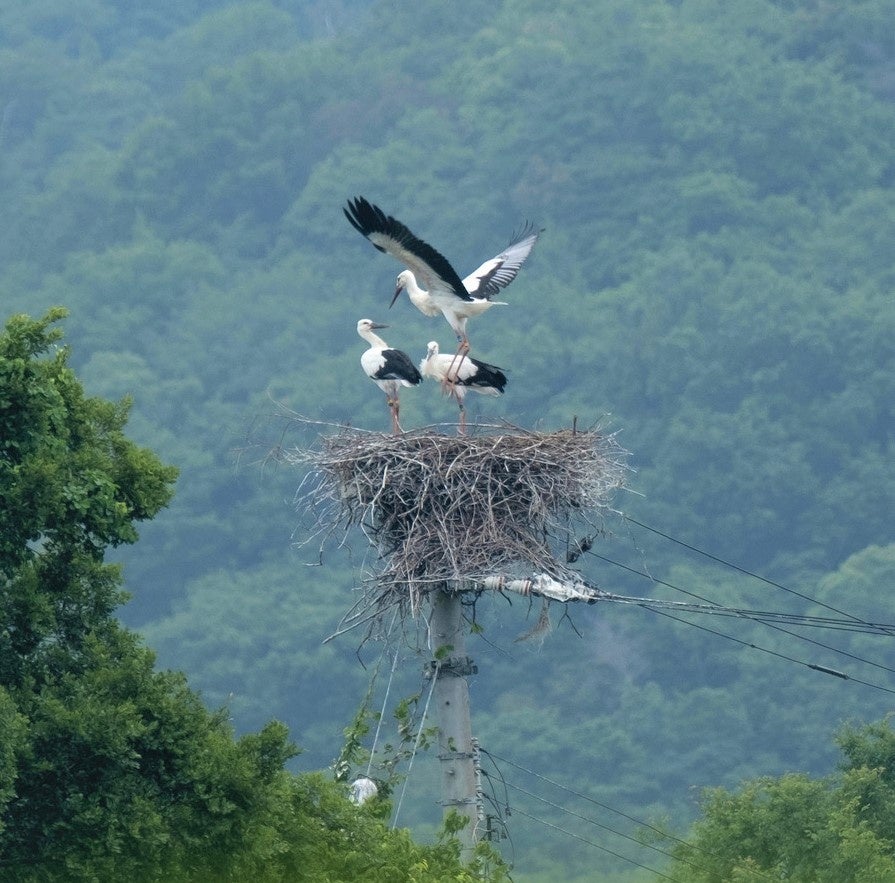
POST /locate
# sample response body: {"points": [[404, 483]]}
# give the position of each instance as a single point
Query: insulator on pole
{"points": [[543, 585]]}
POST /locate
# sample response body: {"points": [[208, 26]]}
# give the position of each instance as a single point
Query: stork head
{"points": [[401, 283], [365, 325], [428, 368]]}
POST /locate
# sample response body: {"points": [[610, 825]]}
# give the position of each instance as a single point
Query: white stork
{"points": [[457, 299], [482, 284], [389, 369], [469, 374]]}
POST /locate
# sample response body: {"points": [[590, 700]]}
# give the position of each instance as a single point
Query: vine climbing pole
{"points": [[498, 511], [451, 667]]}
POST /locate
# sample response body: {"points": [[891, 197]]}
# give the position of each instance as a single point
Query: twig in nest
{"points": [[447, 509]]}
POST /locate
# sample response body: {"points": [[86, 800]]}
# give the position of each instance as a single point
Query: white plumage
{"points": [[482, 284], [444, 292], [388, 368], [498, 272], [461, 376]]}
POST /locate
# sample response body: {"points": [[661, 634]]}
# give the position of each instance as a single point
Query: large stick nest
{"points": [[455, 509]]}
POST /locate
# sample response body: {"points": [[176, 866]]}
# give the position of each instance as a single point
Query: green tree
{"points": [[715, 183], [836, 829], [72, 486], [110, 770]]}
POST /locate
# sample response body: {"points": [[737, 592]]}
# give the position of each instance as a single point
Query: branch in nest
{"points": [[445, 509]]}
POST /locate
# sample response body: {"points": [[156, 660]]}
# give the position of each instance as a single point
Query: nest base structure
{"points": [[451, 511]]}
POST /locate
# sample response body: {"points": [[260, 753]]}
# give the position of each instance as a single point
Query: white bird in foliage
{"points": [[445, 292], [389, 369], [469, 374]]}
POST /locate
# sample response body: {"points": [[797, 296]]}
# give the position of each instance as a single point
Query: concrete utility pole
{"points": [[451, 667], [439, 509]]}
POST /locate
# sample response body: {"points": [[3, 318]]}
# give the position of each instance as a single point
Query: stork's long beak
{"points": [[378, 325], [398, 290]]}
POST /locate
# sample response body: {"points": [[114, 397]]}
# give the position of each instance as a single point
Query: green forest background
{"points": [[714, 284]]}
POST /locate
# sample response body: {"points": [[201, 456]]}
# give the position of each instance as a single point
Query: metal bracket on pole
{"points": [[456, 755], [455, 666]]}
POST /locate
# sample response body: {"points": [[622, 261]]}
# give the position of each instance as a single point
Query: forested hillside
{"points": [[714, 284]]}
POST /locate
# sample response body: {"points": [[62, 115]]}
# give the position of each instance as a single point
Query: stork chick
{"points": [[468, 374]]}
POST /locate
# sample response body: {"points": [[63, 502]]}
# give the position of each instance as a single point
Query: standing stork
{"points": [[389, 369], [457, 299], [470, 374]]}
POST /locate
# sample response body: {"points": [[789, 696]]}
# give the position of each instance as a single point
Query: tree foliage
{"points": [[108, 769], [837, 828], [716, 274], [73, 485]]}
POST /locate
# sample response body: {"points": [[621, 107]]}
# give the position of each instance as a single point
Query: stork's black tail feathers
{"points": [[487, 376]]}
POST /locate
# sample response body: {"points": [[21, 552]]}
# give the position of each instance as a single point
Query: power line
{"points": [[586, 797], [388, 688], [666, 835], [416, 744], [499, 808], [746, 572], [820, 668], [799, 619], [600, 825], [605, 849], [579, 590], [768, 618]]}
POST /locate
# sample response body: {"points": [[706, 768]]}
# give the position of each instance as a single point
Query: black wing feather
{"points": [[367, 218], [398, 365]]}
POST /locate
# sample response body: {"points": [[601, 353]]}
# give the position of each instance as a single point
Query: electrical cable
{"points": [[416, 744], [745, 572], [768, 617], [600, 825], [605, 849], [666, 835], [849, 624], [814, 666], [499, 807], [585, 797], [388, 688], [763, 617]]}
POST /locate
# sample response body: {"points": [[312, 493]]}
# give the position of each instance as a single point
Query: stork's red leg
{"points": [[393, 409], [453, 371]]}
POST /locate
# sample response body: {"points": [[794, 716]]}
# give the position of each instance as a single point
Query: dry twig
{"points": [[445, 509]]}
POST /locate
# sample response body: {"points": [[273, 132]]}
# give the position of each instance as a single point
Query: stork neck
{"points": [[414, 291], [374, 340]]}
